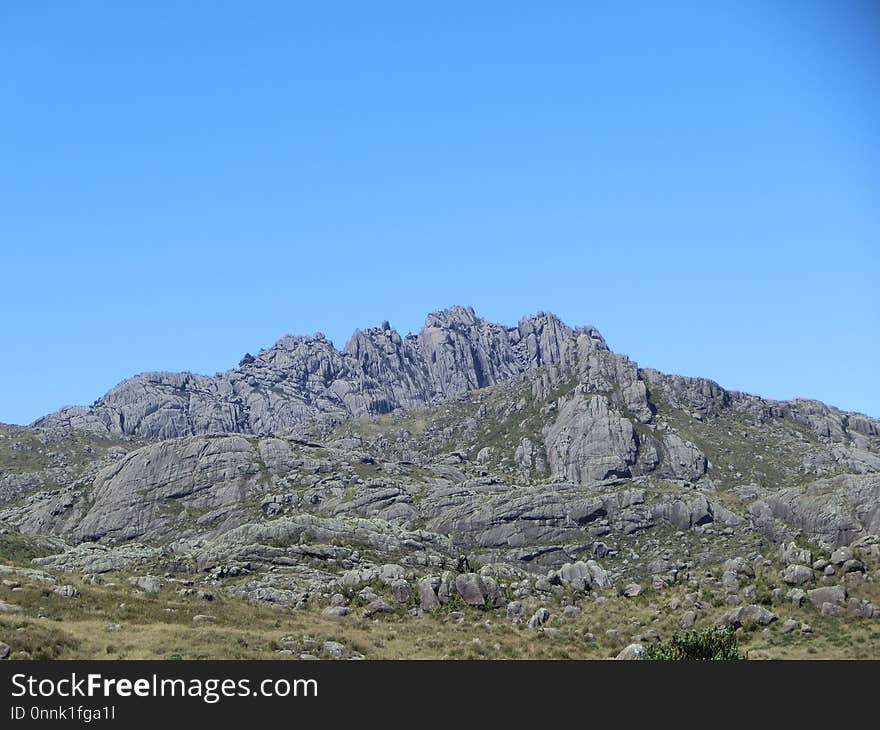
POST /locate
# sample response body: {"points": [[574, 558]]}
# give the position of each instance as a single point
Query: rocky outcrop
{"points": [[834, 511], [300, 378], [589, 440], [271, 500], [682, 459], [685, 513], [701, 399], [154, 491]]}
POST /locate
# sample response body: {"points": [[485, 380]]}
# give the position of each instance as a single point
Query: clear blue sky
{"points": [[184, 182]]}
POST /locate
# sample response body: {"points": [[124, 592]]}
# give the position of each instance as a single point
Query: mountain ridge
{"points": [[302, 377]]}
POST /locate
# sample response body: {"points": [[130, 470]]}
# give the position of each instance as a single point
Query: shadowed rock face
{"points": [[300, 378]]}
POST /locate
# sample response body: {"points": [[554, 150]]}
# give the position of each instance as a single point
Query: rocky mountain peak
{"points": [[301, 377], [451, 317]]}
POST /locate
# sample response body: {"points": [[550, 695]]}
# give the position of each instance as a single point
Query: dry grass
{"points": [[114, 622]]}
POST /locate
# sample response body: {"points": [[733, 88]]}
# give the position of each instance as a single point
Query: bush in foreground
{"points": [[712, 643]]}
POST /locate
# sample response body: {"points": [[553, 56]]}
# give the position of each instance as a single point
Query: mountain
{"points": [[300, 378], [602, 428], [560, 468]]}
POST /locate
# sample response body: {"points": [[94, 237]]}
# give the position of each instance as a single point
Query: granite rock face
{"points": [[589, 440], [471, 461], [300, 378], [835, 511]]}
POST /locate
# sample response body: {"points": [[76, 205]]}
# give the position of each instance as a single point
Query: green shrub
{"points": [[711, 643], [19, 549]]}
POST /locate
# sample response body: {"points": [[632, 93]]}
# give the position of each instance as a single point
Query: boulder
{"points": [[861, 609], [494, 597], [831, 594], [334, 649], [471, 588], [746, 615], [539, 618], [427, 588], [791, 553], [575, 571], [631, 652], [446, 590], [853, 565], [401, 590], [841, 555], [796, 596], [730, 582], [598, 575], [798, 575], [146, 583], [391, 572], [514, 609], [377, 606], [739, 567]]}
